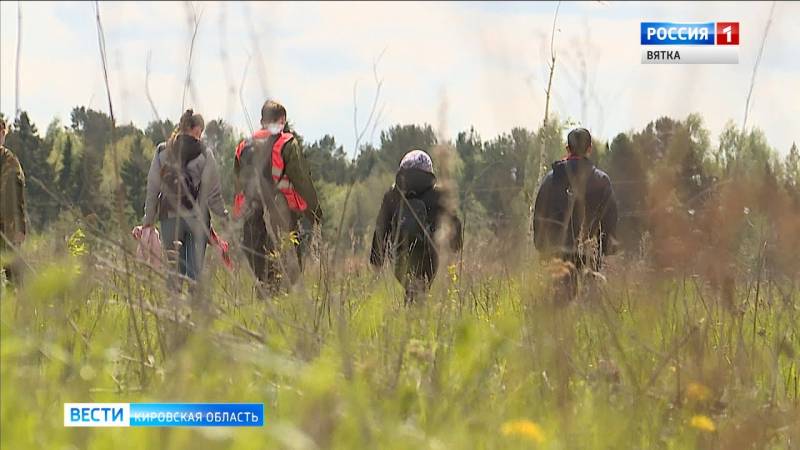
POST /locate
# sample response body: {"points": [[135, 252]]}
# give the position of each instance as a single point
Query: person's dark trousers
{"points": [[184, 241], [415, 269], [414, 287], [305, 233], [567, 284], [259, 247]]}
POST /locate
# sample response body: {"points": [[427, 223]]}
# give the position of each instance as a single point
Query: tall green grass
{"points": [[489, 360]]}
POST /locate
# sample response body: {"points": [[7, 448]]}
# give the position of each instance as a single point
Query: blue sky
{"points": [[448, 64]]}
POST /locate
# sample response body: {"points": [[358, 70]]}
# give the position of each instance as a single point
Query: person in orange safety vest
{"points": [[276, 196]]}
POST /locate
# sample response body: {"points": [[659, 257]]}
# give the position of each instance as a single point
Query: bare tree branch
{"points": [[376, 123], [553, 33], [119, 200], [359, 134], [225, 61], [260, 67], [548, 91], [755, 66], [241, 96], [188, 81], [164, 131], [552, 67], [19, 54], [101, 41]]}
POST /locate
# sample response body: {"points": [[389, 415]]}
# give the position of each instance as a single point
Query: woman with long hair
{"points": [[183, 185]]}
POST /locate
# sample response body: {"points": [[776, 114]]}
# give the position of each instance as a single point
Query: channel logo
{"points": [[163, 414], [689, 43], [97, 414]]}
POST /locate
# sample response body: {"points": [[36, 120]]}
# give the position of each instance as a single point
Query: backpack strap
{"points": [[283, 139], [405, 203]]}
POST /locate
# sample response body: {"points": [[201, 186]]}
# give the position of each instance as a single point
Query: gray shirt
{"points": [[202, 171]]}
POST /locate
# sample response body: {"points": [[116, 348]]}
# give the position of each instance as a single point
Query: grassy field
{"points": [[650, 359]]}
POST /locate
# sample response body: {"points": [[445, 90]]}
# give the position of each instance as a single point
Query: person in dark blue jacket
{"points": [[575, 214]]}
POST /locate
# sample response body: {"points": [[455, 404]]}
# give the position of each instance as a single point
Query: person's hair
{"points": [[578, 141], [272, 111], [187, 121], [2, 123], [190, 120]]}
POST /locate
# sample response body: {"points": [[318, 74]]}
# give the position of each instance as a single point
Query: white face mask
{"points": [[274, 128]]}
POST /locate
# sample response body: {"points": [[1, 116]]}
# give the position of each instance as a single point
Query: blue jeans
{"points": [[192, 235]]}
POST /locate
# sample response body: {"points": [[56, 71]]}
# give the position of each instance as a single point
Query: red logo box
{"points": [[727, 33]]}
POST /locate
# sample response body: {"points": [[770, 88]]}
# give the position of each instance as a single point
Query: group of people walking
{"points": [[279, 206]]}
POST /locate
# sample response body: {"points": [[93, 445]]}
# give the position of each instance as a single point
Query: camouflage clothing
{"points": [[13, 216]]}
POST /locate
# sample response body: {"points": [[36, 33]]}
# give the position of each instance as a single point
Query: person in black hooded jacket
{"points": [[411, 214], [576, 206]]}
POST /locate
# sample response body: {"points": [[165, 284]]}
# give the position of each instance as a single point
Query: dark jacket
{"points": [[424, 259], [575, 201]]}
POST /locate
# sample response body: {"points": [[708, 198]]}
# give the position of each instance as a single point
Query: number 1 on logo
{"points": [[727, 31]]}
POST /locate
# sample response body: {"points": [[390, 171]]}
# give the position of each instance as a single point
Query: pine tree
{"points": [[33, 154], [159, 131], [792, 172], [328, 161], [134, 177], [400, 139], [627, 170], [222, 140], [66, 176], [94, 129]]}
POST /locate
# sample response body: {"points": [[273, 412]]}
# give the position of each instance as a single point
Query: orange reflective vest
{"points": [[282, 182]]}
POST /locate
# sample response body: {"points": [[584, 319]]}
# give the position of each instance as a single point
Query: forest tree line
{"points": [[675, 190]]}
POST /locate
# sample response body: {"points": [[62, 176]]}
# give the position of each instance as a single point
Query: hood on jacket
{"points": [[187, 148], [414, 182]]}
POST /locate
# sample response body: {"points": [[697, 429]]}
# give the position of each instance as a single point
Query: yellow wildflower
{"points": [[697, 392], [524, 428], [452, 272], [77, 243], [703, 423]]}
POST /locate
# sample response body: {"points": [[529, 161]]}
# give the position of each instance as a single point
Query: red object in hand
{"points": [[238, 203], [223, 247]]}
